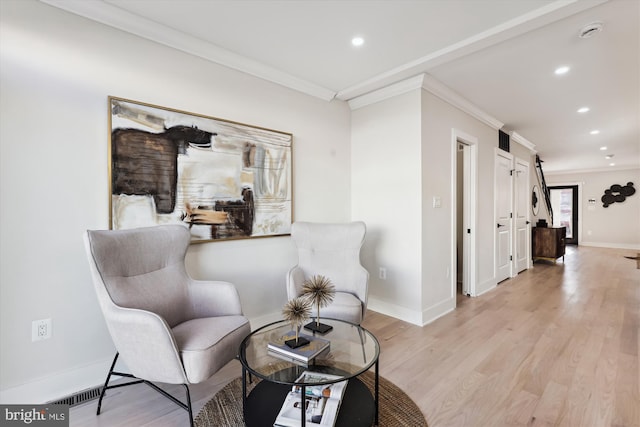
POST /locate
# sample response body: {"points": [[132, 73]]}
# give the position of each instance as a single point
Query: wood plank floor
{"points": [[556, 345]]}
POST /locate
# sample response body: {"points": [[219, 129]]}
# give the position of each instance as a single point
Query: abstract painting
{"points": [[221, 179]]}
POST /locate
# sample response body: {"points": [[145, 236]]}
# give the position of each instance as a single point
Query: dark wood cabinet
{"points": [[548, 242]]}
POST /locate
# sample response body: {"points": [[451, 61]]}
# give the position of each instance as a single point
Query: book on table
{"points": [[321, 402], [305, 353], [299, 362]]}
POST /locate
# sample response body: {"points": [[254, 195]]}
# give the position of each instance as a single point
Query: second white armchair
{"points": [[333, 251]]}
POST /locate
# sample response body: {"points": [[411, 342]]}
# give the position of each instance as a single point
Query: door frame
{"points": [[579, 201], [458, 136]]}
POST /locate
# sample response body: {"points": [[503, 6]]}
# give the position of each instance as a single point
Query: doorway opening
{"points": [[564, 203], [464, 222]]}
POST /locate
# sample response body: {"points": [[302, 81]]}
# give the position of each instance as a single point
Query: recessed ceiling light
{"points": [[603, 148], [594, 132], [357, 41], [583, 110], [561, 70], [609, 156], [612, 164]]}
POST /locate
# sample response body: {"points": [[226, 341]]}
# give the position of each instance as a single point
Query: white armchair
{"points": [[166, 326], [333, 251]]}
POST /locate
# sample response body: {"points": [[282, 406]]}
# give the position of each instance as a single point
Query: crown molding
{"points": [[387, 92], [535, 19], [113, 16], [523, 141], [443, 92], [432, 85]]}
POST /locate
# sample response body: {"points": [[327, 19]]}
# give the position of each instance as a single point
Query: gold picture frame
{"points": [[222, 179]]}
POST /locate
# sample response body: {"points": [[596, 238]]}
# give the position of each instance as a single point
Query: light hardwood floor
{"points": [[556, 345]]}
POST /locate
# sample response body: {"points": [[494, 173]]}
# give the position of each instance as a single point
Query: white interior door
{"points": [[503, 204], [522, 224]]}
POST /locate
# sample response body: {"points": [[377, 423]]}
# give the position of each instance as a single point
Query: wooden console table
{"points": [[548, 242]]}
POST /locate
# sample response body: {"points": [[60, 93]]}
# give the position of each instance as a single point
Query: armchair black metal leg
{"points": [[186, 406], [189, 409], [106, 383]]}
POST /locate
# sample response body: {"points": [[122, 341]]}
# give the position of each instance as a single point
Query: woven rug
{"points": [[396, 408]]}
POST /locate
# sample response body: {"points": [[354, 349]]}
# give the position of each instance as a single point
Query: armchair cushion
{"points": [[208, 342], [345, 306]]}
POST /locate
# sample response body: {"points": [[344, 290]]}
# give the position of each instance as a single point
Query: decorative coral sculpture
{"points": [[296, 311], [319, 291]]}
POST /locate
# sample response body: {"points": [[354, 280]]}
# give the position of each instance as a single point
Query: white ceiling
{"points": [[498, 54]]}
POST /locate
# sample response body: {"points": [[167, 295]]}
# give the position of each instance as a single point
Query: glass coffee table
{"points": [[353, 351]]}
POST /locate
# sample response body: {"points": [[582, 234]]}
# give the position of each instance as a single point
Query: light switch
{"points": [[437, 202]]}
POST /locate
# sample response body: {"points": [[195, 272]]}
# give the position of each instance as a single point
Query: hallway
{"points": [[556, 345]]}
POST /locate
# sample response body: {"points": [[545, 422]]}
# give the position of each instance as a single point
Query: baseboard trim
{"points": [[62, 384], [55, 386], [419, 318], [438, 310], [395, 311], [485, 287], [631, 246]]}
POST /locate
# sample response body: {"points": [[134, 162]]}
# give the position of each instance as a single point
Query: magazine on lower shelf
{"points": [[305, 353], [321, 402]]}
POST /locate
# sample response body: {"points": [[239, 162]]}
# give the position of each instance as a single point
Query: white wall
{"points": [[386, 188], [401, 160], [617, 226], [439, 118], [57, 70]]}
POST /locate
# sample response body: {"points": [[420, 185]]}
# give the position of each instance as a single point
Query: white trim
{"points": [[113, 16], [443, 92], [492, 285], [471, 141], [540, 17], [390, 91], [432, 85], [515, 136], [57, 385], [438, 310], [414, 317], [631, 246], [61, 384], [394, 310]]}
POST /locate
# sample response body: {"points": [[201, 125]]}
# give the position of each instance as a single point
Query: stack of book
{"points": [[302, 355], [321, 402]]}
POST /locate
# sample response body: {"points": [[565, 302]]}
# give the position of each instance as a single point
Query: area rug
{"points": [[396, 409]]}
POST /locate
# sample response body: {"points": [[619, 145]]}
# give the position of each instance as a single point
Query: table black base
{"points": [[265, 400]]}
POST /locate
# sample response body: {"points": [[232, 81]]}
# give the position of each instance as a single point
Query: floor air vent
{"points": [[79, 397]]}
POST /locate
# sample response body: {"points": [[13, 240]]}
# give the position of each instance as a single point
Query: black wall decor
{"points": [[617, 193]]}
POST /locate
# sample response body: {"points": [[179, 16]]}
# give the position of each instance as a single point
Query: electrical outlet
{"points": [[40, 330], [383, 273]]}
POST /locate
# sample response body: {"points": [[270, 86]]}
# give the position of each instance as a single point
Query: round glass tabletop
{"points": [[352, 351]]}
